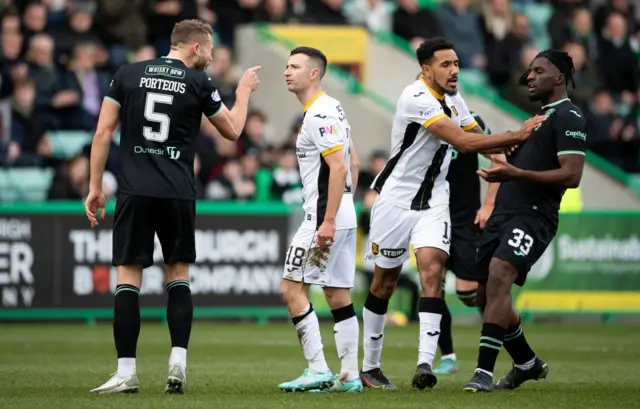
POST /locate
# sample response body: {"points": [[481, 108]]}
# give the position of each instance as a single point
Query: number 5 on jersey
{"points": [[517, 242], [151, 115]]}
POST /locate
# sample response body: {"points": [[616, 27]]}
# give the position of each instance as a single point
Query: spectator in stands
{"points": [[461, 25], [27, 145], [50, 97], [89, 83], [625, 8], [231, 184], [585, 75], [617, 63], [144, 53], [413, 23], [496, 20], [375, 15], [503, 51], [162, 16], [224, 74], [367, 174], [71, 180], [325, 12], [579, 30], [121, 27], [245, 188], [286, 184], [268, 156], [603, 125], [34, 20], [276, 12], [10, 57], [77, 31], [10, 23], [253, 134]]}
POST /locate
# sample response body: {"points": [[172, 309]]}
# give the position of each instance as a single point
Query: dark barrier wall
{"points": [[51, 260]]}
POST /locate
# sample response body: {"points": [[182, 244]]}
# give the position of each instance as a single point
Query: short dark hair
{"points": [[315, 55], [428, 48]]}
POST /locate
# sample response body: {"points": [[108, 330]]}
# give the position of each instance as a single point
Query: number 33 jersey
{"points": [[324, 131], [161, 105]]}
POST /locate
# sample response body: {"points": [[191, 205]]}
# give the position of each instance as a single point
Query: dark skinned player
{"points": [[525, 218]]}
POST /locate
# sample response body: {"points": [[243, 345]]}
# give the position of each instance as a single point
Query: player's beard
{"points": [[200, 63]]}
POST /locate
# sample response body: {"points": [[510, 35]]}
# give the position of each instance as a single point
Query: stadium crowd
{"points": [[58, 56]]}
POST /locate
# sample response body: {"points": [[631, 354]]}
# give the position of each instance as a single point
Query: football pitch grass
{"points": [[51, 366]]}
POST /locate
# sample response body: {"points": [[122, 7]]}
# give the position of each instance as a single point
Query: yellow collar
{"points": [[308, 104], [431, 90]]}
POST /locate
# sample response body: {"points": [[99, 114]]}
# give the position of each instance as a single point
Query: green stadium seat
{"points": [[539, 15], [7, 192], [29, 184], [66, 144]]}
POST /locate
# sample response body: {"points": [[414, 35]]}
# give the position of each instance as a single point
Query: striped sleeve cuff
{"points": [[113, 100], [429, 122], [217, 112], [331, 150], [571, 153], [470, 126]]}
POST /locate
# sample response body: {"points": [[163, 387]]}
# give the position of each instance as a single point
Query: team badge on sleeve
{"points": [[215, 96]]}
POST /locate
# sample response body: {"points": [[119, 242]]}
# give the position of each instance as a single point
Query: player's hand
{"points": [[531, 125], [500, 172], [483, 215], [95, 201], [326, 234], [250, 79], [318, 257]]}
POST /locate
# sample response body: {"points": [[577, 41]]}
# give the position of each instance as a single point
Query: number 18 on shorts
{"points": [[306, 263]]}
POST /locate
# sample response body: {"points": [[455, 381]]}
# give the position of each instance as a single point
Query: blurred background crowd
{"points": [[58, 56]]}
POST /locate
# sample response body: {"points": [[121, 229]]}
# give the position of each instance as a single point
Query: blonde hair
{"points": [[187, 31]]}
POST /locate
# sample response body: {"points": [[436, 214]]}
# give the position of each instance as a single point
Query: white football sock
{"points": [[483, 371], [527, 365], [450, 356], [429, 334], [373, 328], [126, 366], [309, 335], [347, 334], [178, 357]]}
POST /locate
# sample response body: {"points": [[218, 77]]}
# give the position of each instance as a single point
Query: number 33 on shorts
{"points": [[521, 241]]}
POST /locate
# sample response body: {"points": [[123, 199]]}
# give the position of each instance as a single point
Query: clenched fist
{"points": [[250, 79]]}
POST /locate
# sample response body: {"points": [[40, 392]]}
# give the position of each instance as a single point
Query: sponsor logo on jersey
{"points": [[375, 249], [392, 253], [429, 112], [576, 135], [320, 116], [165, 71], [455, 111], [172, 152], [215, 96], [328, 130], [418, 94]]}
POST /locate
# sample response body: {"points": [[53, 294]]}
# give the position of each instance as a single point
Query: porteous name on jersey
{"points": [[162, 84]]}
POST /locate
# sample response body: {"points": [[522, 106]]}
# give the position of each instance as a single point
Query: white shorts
{"points": [[338, 270], [394, 228]]}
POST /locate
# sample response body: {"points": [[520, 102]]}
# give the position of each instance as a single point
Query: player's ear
{"points": [[560, 79]]}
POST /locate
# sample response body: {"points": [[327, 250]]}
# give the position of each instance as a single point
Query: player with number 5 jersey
{"points": [[159, 104]]}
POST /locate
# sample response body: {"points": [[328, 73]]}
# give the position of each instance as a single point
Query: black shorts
{"points": [[138, 219], [462, 255], [519, 239]]}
